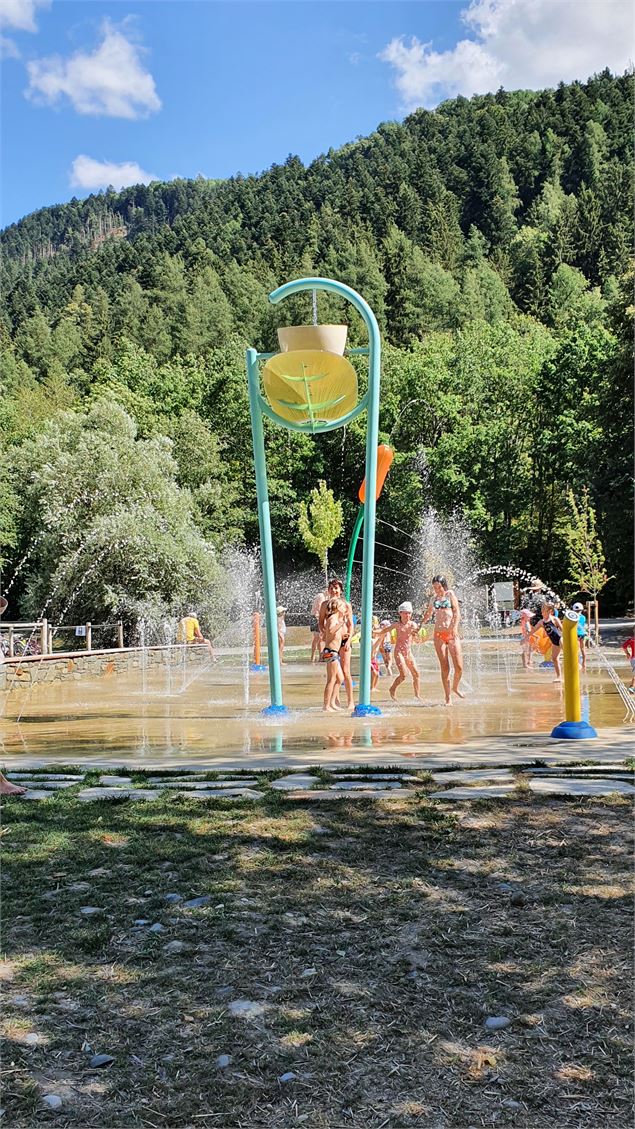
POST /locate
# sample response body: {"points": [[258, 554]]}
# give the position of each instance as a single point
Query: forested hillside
{"points": [[492, 238]]}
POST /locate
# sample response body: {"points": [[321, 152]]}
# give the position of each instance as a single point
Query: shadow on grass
{"points": [[375, 938]]}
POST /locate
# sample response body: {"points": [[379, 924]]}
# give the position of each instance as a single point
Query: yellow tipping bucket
{"points": [[310, 386]]}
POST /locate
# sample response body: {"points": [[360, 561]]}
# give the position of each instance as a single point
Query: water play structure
{"points": [[312, 388]]}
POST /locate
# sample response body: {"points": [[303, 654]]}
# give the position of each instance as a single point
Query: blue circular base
{"points": [[573, 730], [366, 711], [545, 666], [257, 668], [274, 711]]}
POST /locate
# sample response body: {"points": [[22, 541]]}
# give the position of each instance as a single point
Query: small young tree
{"points": [[320, 523], [586, 554]]}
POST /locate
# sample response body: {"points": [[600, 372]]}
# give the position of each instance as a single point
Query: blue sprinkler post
{"points": [[264, 519], [364, 707]]}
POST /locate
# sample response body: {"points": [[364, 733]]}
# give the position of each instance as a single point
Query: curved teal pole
{"points": [[264, 521], [359, 521], [364, 706]]}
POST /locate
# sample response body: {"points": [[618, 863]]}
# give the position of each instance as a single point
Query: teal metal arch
{"points": [[370, 403]]}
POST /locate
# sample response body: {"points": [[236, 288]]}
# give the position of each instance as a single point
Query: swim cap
{"points": [[578, 608], [405, 607]]}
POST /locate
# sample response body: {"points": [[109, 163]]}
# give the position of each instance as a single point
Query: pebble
{"points": [[53, 1101], [173, 898], [223, 1061], [139, 921], [518, 899], [156, 928], [32, 1039], [505, 888], [90, 911], [246, 1009], [497, 1022], [290, 1076], [101, 1060], [309, 972], [194, 903], [509, 1103], [174, 947]]}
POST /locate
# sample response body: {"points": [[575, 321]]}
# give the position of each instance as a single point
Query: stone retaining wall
{"points": [[76, 665]]}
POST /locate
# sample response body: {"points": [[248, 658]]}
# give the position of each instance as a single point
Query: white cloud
{"points": [[20, 14], [8, 49], [517, 44], [110, 81], [86, 172]]}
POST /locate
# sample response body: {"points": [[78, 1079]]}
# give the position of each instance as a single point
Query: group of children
{"points": [[403, 632], [551, 624]]}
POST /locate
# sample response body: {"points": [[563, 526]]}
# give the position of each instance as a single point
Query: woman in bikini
{"points": [[405, 631], [444, 606]]}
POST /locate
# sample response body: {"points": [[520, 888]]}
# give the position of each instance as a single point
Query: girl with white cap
{"points": [[405, 631], [582, 632]]}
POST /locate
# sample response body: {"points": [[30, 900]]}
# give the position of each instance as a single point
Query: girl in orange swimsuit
{"points": [[405, 631], [444, 606]]}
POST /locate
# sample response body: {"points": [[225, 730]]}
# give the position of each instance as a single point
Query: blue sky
{"points": [[96, 93]]}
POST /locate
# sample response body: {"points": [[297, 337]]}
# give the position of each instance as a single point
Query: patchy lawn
{"points": [[374, 938]]}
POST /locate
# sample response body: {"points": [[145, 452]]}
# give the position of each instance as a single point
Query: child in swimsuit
{"points": [[406, 630], [525, 637], [377, 638], [628, 646], [333, 631], [385, 648], [552, 627]]}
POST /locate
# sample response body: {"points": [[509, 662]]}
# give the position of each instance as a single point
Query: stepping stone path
{"points": [[340, 784]]}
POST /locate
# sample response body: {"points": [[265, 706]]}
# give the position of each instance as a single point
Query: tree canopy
{"points": [[491, 236]]}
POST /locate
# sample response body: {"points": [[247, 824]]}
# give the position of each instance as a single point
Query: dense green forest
{"points": [[491, 236]]}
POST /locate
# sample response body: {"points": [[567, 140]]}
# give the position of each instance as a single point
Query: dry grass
{"points": [[376, 937]]}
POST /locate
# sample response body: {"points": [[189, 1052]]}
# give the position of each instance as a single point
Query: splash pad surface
{"points": [[211, 715]]}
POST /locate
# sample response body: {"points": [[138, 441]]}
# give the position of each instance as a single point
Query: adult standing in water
{"points": [[335, 592], [444, 606], [314, 625]]}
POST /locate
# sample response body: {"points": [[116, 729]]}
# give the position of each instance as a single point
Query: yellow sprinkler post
{"points": [[573, 727]]}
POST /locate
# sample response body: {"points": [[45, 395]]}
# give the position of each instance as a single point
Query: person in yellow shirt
{"points": [[189, 631]]}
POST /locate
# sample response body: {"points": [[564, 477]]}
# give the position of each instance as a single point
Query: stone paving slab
{"points": [[469, 776], [336, 793], [580, 786], [87, 795], [49, 784], [352, 775], [195, 785], [363, 786], [294, 780], [495, 792], [35, 794], [41, 777], [224, 793], [115, 781]]}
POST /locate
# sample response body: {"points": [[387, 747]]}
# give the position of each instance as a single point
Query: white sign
{"points": [[504, 594]]}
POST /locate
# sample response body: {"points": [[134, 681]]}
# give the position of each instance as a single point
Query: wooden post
{"points": [[44, 636], [11, 643], [120, 635], [89, 636], [50, 641]]}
